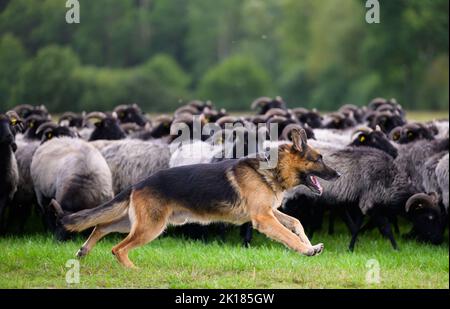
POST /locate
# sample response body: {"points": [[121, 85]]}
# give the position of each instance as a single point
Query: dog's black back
{"points": [[200, 187]]}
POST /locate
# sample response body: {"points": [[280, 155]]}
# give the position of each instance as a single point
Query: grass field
{"points": [[39, 261]]}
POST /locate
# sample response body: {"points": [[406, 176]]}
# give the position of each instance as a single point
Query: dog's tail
{"points": [[107, 212]]}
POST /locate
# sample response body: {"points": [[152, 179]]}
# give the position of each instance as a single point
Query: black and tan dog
{"points": [[234, 191]]}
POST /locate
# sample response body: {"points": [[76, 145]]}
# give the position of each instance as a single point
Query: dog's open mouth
{"points": [[314, 185]]}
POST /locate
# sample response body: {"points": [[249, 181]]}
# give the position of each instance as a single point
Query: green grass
{"points": [[426, 115], [39, 261]]}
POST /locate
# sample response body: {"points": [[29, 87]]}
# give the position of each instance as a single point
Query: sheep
{"points": [[442, 179], [25, 110], [106, 127], [411, 132], [310, 117], [32, 123], [312, 216], [25, 198], [131, 114], [71, 173], [371, 184], [265, 103], [73, 120], [160, 129], [425, 215], [387, 121], [133, 160], [8, 164], [338, 120]]}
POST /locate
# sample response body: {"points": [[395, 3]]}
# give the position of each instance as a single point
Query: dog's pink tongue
{"points": [[317, 183]]}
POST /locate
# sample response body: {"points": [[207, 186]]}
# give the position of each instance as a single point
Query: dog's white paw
{"points": [[82, 252], [318, 249]]}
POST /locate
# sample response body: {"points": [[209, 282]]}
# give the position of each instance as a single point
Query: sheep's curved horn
{"points": [[196, 104], [121, 108], [225, 119], [186, 109], [276, 119], [429, 197], [361, 130], [68, 115], [300, 111], [43, 127], [262, 101], [163, 118], [275, 112], [99, 115], [19, 109]]}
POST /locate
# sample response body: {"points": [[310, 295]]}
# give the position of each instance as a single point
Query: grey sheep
{"points": [[72, 173], [133, 160]]}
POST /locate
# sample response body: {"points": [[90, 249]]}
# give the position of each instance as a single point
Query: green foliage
{"points": [[235, 82], [317, 53], [48, 79], [38, 261], [156, 85], [12, 57]]}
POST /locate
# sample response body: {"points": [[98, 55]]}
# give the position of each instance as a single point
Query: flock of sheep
{"points": [[390, 167]]}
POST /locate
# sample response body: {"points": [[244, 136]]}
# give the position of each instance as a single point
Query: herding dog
{"points": [[234, 191]]}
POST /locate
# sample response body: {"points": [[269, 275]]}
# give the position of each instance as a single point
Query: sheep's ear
{"points": [[299, 139]]}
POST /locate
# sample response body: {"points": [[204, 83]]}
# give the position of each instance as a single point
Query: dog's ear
{"points": [[299, 139]]}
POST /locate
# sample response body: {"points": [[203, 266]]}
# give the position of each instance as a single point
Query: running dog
{"points": [[234, 191]]}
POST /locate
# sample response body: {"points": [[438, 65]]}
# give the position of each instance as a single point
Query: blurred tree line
{"points": [[160, 53]]}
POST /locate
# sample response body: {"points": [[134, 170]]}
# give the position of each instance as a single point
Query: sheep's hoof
{"points": [[82, 252]]}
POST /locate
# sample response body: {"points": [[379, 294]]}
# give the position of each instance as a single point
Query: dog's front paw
{"points": [[82, 252], [318, 249]]}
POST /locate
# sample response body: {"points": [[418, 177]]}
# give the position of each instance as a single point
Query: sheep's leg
{"points": [[268, 224], [385, 229], [246, 232], [292, 224], [3, 203], [348, 220], [394, 222], [358, 223], [121, 225], [331, 219]]}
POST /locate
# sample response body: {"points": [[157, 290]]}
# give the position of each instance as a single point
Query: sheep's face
{"points": [[32, 123], [387, 122], [132, 114], [312, 119], [107, 128], [10, 124], [426, 217], [300, 164], [59, 131], [375, 139]]}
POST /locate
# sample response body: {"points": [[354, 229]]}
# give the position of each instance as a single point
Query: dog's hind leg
{"points": [[148, 218], [121, 225], [292, 224], [268, 224]]}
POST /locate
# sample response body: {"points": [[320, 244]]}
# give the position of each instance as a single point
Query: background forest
{"points": [[161, 53]]}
